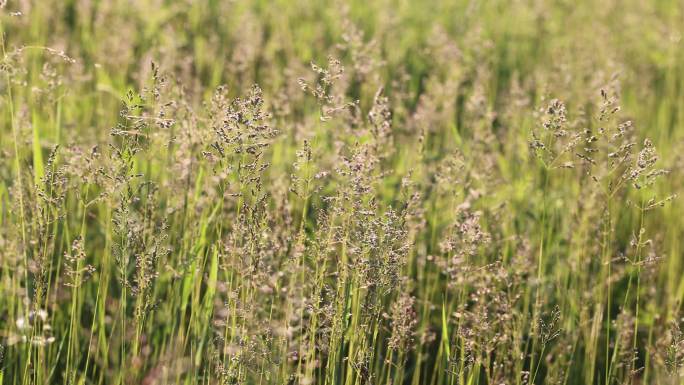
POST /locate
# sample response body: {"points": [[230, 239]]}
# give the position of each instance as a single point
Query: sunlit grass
{"points": [[386, 192]]}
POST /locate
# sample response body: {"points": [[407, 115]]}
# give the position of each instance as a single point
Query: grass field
{"points": [[350, 192]]}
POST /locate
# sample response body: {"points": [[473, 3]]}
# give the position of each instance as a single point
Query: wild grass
{"points": [[386, 192]]}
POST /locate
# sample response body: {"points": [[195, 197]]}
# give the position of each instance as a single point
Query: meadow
{"points": [[380, 192]]}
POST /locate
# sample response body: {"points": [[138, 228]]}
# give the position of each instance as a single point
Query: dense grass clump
{"points": [[362, 192]]}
